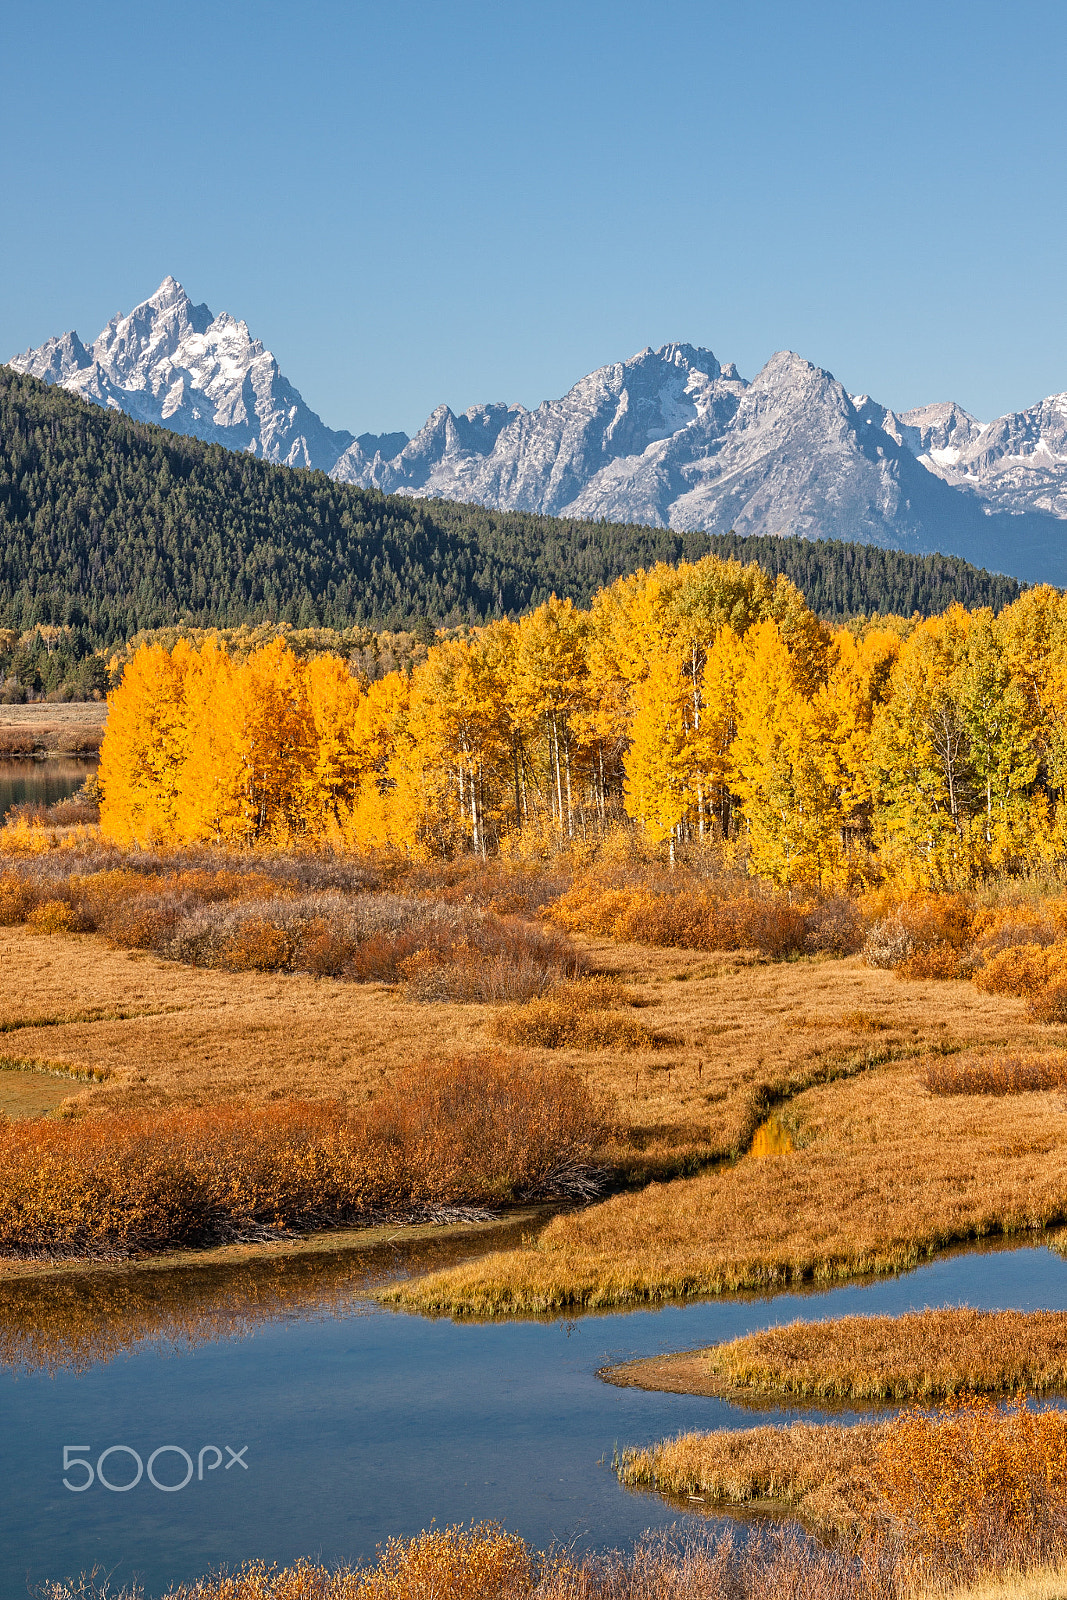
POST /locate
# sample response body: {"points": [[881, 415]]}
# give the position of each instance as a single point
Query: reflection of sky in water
{"points": [[362, 1423]]}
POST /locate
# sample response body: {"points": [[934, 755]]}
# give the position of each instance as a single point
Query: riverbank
{"points": [[335, 1242], [44, 729]]}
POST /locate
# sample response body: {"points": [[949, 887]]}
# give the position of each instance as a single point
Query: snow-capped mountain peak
{"points": [[172, 362]]}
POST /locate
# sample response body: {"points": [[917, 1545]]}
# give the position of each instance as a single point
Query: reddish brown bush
{"points": [[694, 916], [940, 960], [475, 1130]]}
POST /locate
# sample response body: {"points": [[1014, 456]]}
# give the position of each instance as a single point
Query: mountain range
{"points": [[670, 438]]}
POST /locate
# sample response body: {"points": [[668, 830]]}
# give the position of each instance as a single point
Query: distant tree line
{"points": [[109, 526], [48, 662], [850, 580]]}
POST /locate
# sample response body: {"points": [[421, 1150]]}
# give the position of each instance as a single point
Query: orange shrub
{"points": [[975, 1480], [482, 1562], [1021, 969], [940, 960], [1034, 972], [258, 945], [476, 1130], [692, 917], [52, 916]]}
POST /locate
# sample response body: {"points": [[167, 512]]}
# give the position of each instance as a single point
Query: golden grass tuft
{"points": [[924, 1355], [822, 1472], [580, 1016], [999, 1072]]}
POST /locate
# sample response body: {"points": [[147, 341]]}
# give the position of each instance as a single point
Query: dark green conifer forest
{"points": [[109, 526]]}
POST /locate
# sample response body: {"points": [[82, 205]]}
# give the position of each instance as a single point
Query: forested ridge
{"points": [[109, 526]]}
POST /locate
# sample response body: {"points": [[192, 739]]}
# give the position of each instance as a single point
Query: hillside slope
{"points": [[114, 525]]}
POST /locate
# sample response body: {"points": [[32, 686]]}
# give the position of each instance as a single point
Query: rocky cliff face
{"points": [[173, 363], [669, 437]]}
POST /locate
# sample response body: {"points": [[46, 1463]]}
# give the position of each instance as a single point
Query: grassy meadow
{"points": [[144, 986]]}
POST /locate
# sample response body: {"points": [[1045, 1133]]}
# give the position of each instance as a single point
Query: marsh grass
{"points": [[56, 1069], [886, 1176], [822, 1472], [972, 1488], [925, 1355], [485, 1562], [1000, 1072]]}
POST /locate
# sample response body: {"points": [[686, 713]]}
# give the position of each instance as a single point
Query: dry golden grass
{"points": [[60, 713], [1050, 1583], [925, 1355], [998, 1072], [882, 1175], [747, 1035], [821, 1472]]}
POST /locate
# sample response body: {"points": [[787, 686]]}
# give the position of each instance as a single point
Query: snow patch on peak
{"points": [[170, 361]]}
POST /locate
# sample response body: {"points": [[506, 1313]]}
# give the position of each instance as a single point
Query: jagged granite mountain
{"points": [[173, 363], [670, 437]]}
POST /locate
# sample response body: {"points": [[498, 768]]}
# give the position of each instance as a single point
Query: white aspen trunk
{"points": [[570, 806], [559, 779], [474, 812]]}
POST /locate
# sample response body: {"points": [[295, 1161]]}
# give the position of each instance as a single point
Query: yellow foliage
{"points": [[703, 701]]}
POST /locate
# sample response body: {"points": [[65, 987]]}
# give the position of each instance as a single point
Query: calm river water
{"points": [[316, 1424], [42, 782]]}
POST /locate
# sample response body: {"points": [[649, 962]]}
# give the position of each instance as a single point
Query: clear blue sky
{"points": [[425, 200]]}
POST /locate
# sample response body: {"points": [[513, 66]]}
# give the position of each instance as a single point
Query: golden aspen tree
{"points": [[548, 689], [208, 805], [718, 727], [784, 768], [1003, 749], [921, 751], [388, 806], [458, 725], [144, 747], [659, 759], [275, 743], [331, 781], [1032, 633]]}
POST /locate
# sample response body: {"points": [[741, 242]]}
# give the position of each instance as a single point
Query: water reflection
{"points": [[44, 782], [359, 1422], [771, 1138], [71, 1321]]}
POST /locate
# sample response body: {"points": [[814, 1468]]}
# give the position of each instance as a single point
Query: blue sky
{"points": [[422, 201]]}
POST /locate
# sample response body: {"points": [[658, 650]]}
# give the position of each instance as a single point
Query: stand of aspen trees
{"points": [[704, 701]]}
